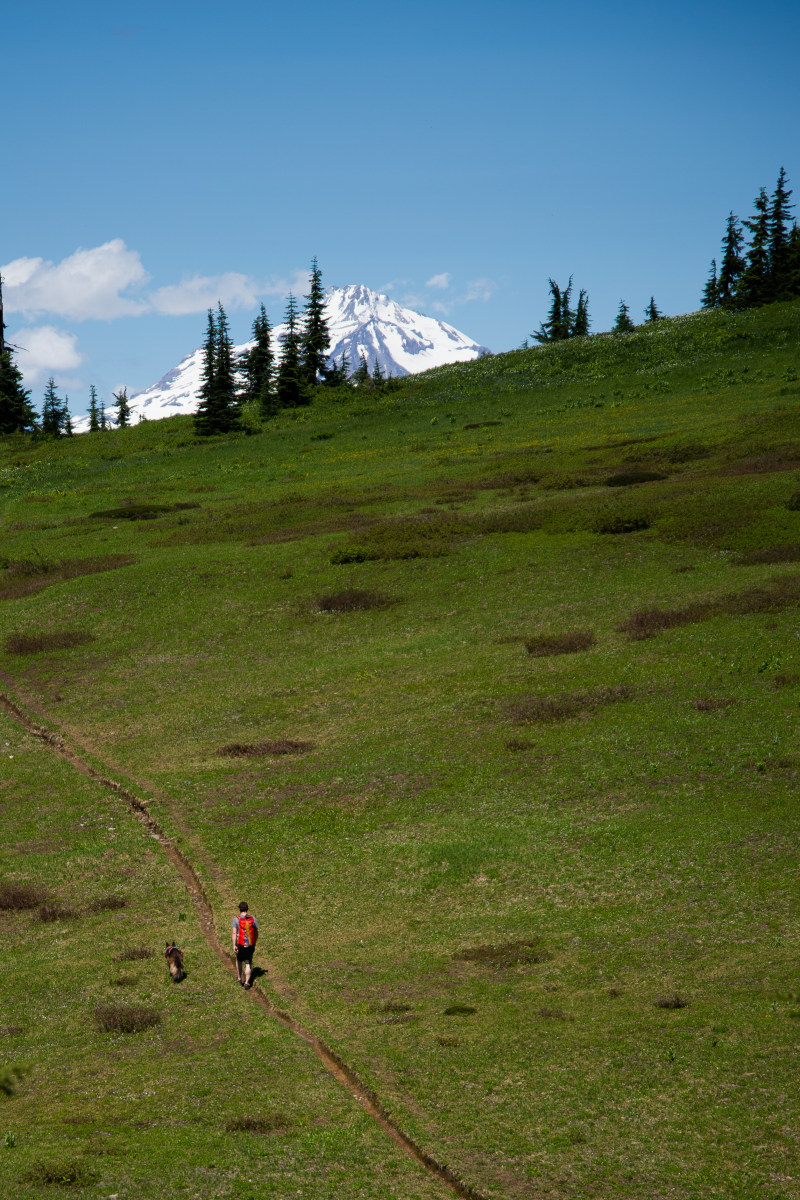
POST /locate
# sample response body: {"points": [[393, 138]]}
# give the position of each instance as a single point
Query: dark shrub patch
{"points": [[620, 523], [20, 896], [628, 478], [788, 680], [459, 1010], [709, 704], [56, 912], [23, 577], [773, 596], [403, 538], [352, 600], [770, 554], [67, 1174], [647, 622], [35, 643], [556, 1014], [106, 903], [515, 745], [560, 643], [264, 749], [125, 1018], [481, 424], [140, 512], [512, 954], [541, 710], [134, 954], [273, 1123], [672, 1002], [394, 1006], [793, 503], [124, 981]]}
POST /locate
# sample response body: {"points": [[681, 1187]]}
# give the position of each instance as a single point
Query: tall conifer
{"points": [[732, 263], [755, 286], [205, 418], [16, 413], [292, 391], [580, 326], [228, 408], [779, 217], [259, 367], [623, 323], [652, 312], [51, 410], [94, 413], [710, 297], [315, 338], [123, 417]]}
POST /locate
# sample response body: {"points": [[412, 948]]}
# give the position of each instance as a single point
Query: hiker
{"points": [[244, 932]]}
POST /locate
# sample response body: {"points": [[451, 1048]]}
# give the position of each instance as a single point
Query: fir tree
{"points": [[793, 261], [66, 419], [16, 414], [360, 376], [103, 420], [580, 325], [732, 263], [51, 410], [94, 414], [259, 368], [779, 233], [205, 419], [225, 380], [315, 338], [378, 379], [754, 286], [291, 386], [123, 417], [623, 323], [710, 297], [652, 312]]}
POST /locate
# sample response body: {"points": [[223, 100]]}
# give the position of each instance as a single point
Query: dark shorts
{"points": [[244, 953]]}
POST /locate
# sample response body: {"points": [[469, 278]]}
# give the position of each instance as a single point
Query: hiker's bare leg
{"points": [[248, 967]]}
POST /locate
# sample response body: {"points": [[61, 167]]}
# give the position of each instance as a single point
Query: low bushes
{"points": [[18, 897], [352, 600], [125, 1018], [57, 639], [560, 643], [264, 749], [511, 954], [544, 710], [774, 595]]}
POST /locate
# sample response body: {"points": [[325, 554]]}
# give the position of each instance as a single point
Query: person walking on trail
{"points": [[244, 932]]}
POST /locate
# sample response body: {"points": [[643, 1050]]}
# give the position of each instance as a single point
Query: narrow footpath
{"points": [[344, 1074]]}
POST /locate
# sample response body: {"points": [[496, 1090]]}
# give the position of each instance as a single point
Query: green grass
{"points": [[487, 867]]}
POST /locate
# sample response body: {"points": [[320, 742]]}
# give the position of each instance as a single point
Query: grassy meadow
{"points": [[484, 693]]}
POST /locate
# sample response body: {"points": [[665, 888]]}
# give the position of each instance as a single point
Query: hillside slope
{"points": [[484, 694]]}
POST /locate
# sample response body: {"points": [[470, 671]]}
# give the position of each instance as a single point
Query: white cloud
{"points": [[44, 350], [85, 285], [202, 292], [439, 281], [479, 289]]}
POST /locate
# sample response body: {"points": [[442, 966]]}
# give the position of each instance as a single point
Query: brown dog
{"points": [[174, 959]]}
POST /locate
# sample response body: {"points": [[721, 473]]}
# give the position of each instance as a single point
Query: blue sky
{"points": [[452, 154]]}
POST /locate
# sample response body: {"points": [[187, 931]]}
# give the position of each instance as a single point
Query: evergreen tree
{"points": [[94, 414], [102, 419], [710, 297], [652, 312], [754, 285], [779, 233], [360, 376], [225, 379], [623, 323], [259, 368], [205, 419], [16, 414], [793, 261], [580, 325], [315, 338], [51, 410], [378, 379], [123, 417], [732, 263], [291, 386], [66, 419]]}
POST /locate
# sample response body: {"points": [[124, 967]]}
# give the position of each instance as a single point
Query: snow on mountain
{"points": [[360, 322]]}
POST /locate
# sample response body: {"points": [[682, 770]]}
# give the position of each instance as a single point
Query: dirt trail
{"points": [[344, 1074]]}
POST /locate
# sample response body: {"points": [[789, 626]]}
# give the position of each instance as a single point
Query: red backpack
{"points": [[247, 931]]}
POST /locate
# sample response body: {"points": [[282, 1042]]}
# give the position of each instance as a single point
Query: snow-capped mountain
{"points": [[360, 322]]}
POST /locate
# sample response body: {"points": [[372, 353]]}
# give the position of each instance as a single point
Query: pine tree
{"points": [[580, 325], [123, 417], [623, 323], [205, 418], [259, 368], [754, 285], [51, 410], [315, 338], [652, 312], [378, 379], [779, 233], [360, 376], [103, 421], [225, 380], [66, 419], [732, 263], [793, 261], [94, 415], [710, 297], [291, 386], [16, 414]]}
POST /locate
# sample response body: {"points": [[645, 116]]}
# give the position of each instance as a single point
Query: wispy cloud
{"points": [[203, 291], [45, 350], [478, 289], [439, 281]]}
